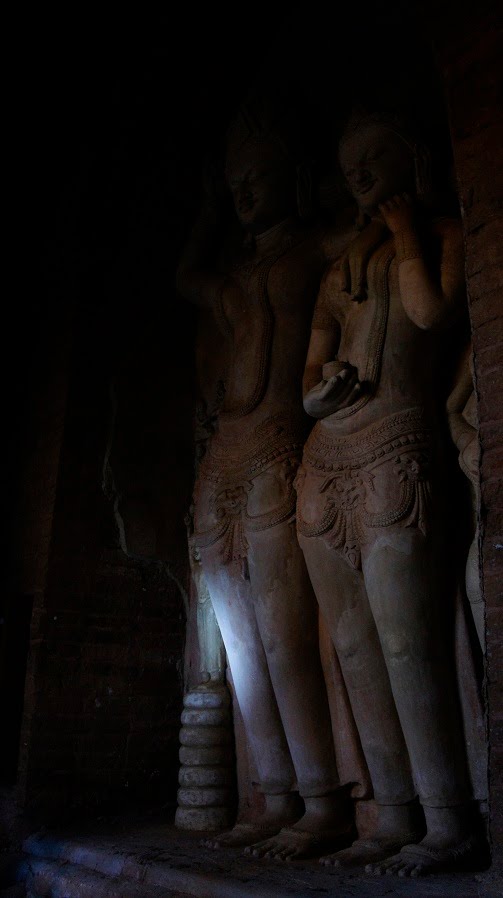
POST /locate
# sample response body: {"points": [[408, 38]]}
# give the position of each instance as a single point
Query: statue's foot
{"points": [[280, 810], [369, 851], [292, 844], [422, 859], [241, 835]]}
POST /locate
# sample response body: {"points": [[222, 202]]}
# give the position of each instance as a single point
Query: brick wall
{"points": [[104, 681], [107, 702], [470, 51]]}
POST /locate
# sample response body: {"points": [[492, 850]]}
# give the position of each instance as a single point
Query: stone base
{"points": [[151, 859], [207, 793]]}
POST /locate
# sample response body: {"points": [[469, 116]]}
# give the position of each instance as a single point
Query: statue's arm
{"points": [[322, 348], [460, 428], [429, 296], [328, 385]]}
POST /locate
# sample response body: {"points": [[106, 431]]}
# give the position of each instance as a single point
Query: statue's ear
{"points": [[422, 169], [304, 191]]}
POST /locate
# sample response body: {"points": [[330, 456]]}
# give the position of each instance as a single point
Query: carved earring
{"points": [[304, 192], [422, 170]]}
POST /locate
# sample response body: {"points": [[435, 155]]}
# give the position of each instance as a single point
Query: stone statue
{"points": [[463, 424], [211, 648], [369, 511], [244, 522]]}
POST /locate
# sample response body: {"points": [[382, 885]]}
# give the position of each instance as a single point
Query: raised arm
{"points": [[328, 384], [429, 296], [322, 348]]}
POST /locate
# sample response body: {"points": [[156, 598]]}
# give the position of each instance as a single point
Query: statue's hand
{"points": [[351, 271], [334, 394], [398, 213]]}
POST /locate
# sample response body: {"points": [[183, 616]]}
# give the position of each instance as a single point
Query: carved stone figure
{"points": [[211, 648], [463, 424], [244, 523], [370, 500], [207, 796]]}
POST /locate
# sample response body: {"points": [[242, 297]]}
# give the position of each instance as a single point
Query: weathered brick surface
{"points": [[104, 680], [469, 49]]}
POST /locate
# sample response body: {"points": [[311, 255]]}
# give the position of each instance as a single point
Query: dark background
{"points": [[119, 113], [126, 107]]}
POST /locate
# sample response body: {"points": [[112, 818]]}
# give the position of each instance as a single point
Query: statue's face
{"points": [[263, 185], [377, 164]]}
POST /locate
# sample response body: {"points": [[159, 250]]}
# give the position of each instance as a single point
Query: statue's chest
{"points": [[280, 286], [270, 312], [364, 325]]}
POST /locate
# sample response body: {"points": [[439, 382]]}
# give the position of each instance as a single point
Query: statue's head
{"points": [[263, 166], [379, 158]]}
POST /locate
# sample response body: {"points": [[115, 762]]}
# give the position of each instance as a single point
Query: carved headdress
{"points": [[362, 118], [276, 120], [264, 118]]}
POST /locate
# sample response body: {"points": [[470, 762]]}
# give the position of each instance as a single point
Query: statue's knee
{"points": [[352, 637], [288, 654], [279, 654], [396, 646]]}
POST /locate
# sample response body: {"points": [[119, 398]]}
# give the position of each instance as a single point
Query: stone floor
{"points": [[151, 859]]}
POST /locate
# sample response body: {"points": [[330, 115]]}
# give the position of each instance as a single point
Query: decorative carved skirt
{"points": [[348, 486], [246, 486]]}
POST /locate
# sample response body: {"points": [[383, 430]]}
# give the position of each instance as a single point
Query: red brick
{"points": [[486, 306]]}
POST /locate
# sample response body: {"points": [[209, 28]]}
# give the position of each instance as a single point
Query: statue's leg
{"points": [[287, 617], [341, 593], [232, 601], [401, 569]]}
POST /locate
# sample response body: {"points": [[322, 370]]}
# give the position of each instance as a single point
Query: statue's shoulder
{"points": [[331, 298], [337, 238], [331, 276]]}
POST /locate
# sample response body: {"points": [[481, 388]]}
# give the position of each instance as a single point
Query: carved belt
{"points": [[343, 473], [229, 471]]}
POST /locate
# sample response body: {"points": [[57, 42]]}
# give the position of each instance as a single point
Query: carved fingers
{"points": [[344, 386], [338, 392], [339, 385]]}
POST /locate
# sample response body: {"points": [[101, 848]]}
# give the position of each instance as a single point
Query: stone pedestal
{"points": [[150, 859], [207, 793]]}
